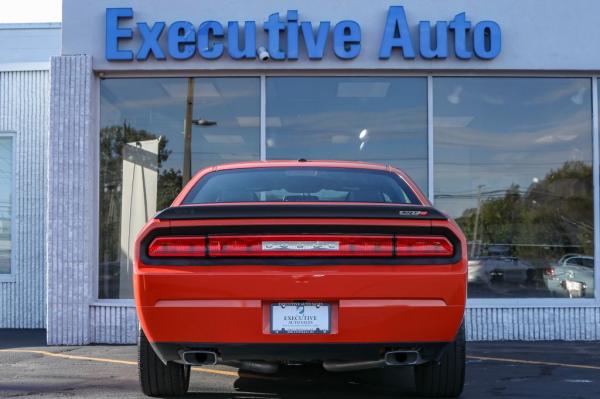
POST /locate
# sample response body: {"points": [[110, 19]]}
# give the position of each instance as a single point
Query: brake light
{"points": [[423, 246], [301, 246], [189, 247]]}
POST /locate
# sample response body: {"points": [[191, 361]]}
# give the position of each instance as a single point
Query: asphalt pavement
{"points": [[28, 368]]}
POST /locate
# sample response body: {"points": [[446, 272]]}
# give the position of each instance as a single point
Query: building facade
{"points": [[491, 107], [25, 51]]}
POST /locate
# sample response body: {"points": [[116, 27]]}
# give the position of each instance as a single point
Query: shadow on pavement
{"points": [[12, 338], [314, 382]]}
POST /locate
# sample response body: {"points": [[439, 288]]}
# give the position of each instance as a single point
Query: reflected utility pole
{"points": [[187, 133], [475, 228]]}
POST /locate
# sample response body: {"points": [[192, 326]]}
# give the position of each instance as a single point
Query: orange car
{"points": [[263, 264]]}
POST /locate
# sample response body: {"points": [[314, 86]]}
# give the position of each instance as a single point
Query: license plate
{"points": [[300, 318]]}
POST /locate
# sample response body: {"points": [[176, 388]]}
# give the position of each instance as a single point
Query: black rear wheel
{"points": [[445, 378], [159, 379]]}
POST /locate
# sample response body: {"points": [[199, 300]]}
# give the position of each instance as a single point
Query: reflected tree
{"points": [[552, 217]]}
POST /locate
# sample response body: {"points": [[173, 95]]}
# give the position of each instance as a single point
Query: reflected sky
{"points": [[6, 181], [491, 133], [372, 119]]}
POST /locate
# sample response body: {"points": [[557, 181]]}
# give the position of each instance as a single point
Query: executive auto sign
{"points": [[287, 35]]}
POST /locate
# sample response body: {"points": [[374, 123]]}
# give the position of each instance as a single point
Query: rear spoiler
{"points": [[287, 210]]}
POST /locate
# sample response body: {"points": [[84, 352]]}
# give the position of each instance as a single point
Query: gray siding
{"points": [[113, 324], [72, 197], [533, 324], [24, 110], [118, 324]]}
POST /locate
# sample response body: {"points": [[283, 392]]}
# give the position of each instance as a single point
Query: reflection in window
{"points": [[372, 119], [513, 166], [6, 192], [150, 129]]}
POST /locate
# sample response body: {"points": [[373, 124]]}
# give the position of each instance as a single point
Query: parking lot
{"points": [[494, 370]]}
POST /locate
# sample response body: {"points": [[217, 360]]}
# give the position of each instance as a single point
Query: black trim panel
{"points": [[170, 351], [287, 210]]}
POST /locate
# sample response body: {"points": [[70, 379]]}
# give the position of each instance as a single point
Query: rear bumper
{"points": [[369, 304], [352, 321]]}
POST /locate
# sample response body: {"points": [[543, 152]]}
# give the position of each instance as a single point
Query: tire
{"points": [[156, 378], [445, 378]]}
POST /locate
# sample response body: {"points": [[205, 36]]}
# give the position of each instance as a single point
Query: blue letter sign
{"points": [[289, 38], [114, 33]]}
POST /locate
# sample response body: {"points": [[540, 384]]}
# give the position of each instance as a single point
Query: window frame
{"points": [[472, 303], [12, 276]]}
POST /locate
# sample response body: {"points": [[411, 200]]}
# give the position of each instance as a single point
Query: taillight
{"points": [[423, 246], [305, 245], [301, 246], [549, 272], [166, 247]]}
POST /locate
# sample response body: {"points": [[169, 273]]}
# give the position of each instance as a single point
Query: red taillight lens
{"points": [[549, 272], [301, 246], [309, 245], [423, 246], [190, 247]]}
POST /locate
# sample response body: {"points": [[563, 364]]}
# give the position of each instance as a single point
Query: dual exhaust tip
{"points": [[199, 358], [391, 358]]}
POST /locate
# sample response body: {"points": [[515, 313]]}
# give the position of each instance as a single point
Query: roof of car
{"points": [[302, 163]]}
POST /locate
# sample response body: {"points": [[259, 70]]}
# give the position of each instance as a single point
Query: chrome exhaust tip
{"points": [[199, 358], [403, 358]]}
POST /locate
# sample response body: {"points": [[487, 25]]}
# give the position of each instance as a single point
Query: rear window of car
{"points": [[301, 184]]}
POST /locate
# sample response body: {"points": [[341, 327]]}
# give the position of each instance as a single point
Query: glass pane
{"points": [[513, 166], [143, 150], [371, 119], [6, 192], [301, 185]]}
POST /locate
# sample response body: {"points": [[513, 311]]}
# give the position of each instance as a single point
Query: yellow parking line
{"points": [[114, 361], [535, 362], [236, 374]]}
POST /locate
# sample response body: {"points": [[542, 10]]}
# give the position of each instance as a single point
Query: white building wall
{"points": [[24, 111], [26, 45]]}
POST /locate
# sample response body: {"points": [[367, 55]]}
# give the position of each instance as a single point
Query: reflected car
{"points": [[572, 276], [496, 269], [262, 264]]}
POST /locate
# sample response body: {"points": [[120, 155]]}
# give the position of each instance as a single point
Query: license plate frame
{"points": [[320, 325]]}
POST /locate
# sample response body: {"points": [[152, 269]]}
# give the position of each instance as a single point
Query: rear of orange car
{"points": [[262, 264]]}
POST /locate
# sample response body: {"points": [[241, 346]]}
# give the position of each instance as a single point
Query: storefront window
{"points": [[372, 119], [6, 193], [154, 134], [513, 166]]}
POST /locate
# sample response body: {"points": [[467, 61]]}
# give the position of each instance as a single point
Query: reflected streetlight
{"points": [[475, 228], [203, 122], [187, 132]]}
